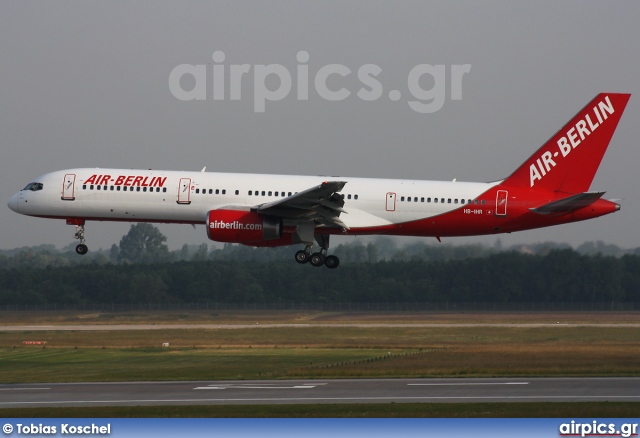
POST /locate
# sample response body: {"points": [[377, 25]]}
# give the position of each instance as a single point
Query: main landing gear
{"points": [[81, 249], [320, 258], [317, 259]]}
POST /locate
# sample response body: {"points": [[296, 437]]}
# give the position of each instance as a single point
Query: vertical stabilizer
{"points": [[569, 160]]}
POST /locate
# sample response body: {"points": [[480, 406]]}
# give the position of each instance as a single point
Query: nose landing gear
{"points": [[81, 249]]}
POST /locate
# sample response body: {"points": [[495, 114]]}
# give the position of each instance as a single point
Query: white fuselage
{"points": [[187, 197]]}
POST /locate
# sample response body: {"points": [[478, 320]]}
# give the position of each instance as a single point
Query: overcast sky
{"points": [[86, 84]]}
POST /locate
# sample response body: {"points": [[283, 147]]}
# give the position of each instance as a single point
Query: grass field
{"points": [[364, 410], [580, 346], [290, 317]]}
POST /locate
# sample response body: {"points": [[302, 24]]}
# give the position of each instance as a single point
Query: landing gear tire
{"points": [[317, 259], [332, 262], [302, 257], [82, 249]]}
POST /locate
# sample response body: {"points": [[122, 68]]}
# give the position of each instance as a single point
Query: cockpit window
{"points": [[34, 186]]}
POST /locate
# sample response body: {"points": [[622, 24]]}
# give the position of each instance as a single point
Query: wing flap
{"points": [[321, 204]]}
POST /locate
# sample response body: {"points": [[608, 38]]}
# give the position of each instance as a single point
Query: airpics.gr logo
{"points": [[228, 81], [595, 428]]}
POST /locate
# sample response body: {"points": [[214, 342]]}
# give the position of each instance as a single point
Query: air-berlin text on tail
{"points": [[127, 180], [572, 138]]}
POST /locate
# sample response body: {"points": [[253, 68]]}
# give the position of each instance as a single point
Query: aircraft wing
{"points": [[321, 204], [569, 204]]}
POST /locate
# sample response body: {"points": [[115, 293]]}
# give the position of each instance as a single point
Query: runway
{"points": [[621, 389]]}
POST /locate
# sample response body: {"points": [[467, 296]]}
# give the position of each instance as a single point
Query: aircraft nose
{"points": [[13, 203]]}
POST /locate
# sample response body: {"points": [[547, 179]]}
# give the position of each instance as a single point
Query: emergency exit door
{"points": [[391, 201]]}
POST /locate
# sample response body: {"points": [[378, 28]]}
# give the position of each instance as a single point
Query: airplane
{"points": [[550, 188]]}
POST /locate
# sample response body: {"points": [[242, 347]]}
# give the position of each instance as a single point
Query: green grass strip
{"points": [[387, 410]]}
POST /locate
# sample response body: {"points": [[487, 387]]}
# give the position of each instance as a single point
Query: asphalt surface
{"points": [[325, 391]]}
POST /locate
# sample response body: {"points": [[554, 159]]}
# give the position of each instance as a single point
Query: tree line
{"points": [[141, 269], [503, 277], [145, 244]]}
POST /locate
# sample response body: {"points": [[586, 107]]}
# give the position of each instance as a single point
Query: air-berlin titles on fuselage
{"points": [[126, 180], [582, 129]]}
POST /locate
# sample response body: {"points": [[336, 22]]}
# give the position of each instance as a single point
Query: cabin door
{"points": [[68, 187], [501, 203], [184, 191]]}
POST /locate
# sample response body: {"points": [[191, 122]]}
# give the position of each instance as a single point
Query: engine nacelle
{"points": [[247, 227]]}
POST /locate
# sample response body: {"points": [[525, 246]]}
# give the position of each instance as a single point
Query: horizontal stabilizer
{"points": [[567, 205]]}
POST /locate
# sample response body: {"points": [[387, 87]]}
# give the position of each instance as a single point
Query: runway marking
{"points": [[265, 386], [22, 389], [467, 384]]}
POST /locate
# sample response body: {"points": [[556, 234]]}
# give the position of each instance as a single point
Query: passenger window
{"points": [[449, 201], [355, 196], [483, 202], [428, 199], [289, 194], [462, 201], [455, 201], [263, 193], [249, 192], [276, 194], [164, 190], [197, 190], [348, 196], [442, 200], [224, 191], [217, 191], [270, 193], [84, 187], [117, 188], [402, 198], [421, 199], [137, 189], [237, 192], [409, 199], [435, 200]]}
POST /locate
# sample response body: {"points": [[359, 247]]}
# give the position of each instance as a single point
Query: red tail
{"points": [[569, 160]]}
